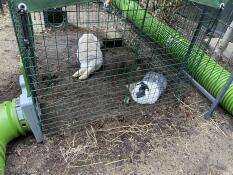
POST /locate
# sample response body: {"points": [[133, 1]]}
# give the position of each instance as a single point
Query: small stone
{"points": [[19, 151]]}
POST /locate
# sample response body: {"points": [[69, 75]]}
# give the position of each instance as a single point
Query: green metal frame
{"points": [[36, 5], [211, 3], [27, 52], [23, 62]]}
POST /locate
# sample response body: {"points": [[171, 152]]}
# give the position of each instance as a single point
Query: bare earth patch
{"points": [[9, 59], [173, 139]]}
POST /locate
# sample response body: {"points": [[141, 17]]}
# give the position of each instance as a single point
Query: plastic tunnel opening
{"points": [[55, 17]]}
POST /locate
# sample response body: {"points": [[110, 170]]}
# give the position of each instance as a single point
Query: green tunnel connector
{"points": [[11, 127], [17, 117]]}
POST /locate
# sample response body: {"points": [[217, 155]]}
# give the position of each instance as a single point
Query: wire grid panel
{"points": [[218, 66], [224, 23], [128, 54]]}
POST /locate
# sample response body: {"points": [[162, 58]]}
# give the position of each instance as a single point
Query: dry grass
{"points": [[117, 145], [98, 151], [163, 9], [101, 144]]}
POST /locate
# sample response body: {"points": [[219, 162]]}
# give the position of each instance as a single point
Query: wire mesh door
{"points": [[122, 52]]}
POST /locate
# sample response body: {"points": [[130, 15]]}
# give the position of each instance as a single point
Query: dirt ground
{"points": [[173, 139], [9, 62]]}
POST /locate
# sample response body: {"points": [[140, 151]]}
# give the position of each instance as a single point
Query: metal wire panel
{"points": [[223, 23], [128, 54]]}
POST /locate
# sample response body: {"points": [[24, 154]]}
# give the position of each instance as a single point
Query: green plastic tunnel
{"points": [[205, 70], [10, 127]]}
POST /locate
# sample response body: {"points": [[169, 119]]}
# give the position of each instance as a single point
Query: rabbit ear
{"points": [[144, 86], [142, 90]]}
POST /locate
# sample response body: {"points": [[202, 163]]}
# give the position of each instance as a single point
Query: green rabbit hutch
{"points": [[135, 37]]}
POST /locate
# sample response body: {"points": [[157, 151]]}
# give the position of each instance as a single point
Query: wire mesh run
{"points": [[224, 23], [125, 54]]}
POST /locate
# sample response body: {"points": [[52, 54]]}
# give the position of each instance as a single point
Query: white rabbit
{"points": [[89, 56], [149, 89]]}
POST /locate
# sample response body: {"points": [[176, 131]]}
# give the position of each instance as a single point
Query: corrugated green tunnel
{"points": [[10, 128], [205, 70]]}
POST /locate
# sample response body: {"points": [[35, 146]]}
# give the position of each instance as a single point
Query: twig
{"points": [[115, 162], [94, 136], [185, 105], [74, 140], [219, 128], [63, 155], [86, 165], [117, 136], [129, 126], [97, 163]]}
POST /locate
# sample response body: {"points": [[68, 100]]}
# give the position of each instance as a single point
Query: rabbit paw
{"points": [[83, 77], [78, 73], [75, 75]]}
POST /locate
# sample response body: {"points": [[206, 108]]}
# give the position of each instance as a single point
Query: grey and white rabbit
{"points": [[89, 55], [149, 89]]}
